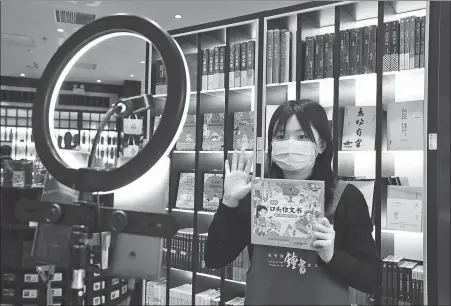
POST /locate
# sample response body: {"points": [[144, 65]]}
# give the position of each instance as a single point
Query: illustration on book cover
{"points": [[284, 211]]}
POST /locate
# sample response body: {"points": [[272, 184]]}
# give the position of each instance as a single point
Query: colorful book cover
{"points": [[243, 130], [213, 132], [404, 208], [405, 125], [359, 128], [213, 188], [185, 194], [187, 139], [283, 211]]}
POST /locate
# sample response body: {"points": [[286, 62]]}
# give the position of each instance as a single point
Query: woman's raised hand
{"points": [[236, 182]]}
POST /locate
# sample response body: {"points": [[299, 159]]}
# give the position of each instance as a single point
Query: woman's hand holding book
{"points": [[236, 181]]}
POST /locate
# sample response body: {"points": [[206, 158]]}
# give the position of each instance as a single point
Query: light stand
{"points": [[63, 236]]}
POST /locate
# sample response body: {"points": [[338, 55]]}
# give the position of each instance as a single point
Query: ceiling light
{"points": [[60, 30], [99, 81], [22, 74], [178, 16], [143, 62], [132, 75]]}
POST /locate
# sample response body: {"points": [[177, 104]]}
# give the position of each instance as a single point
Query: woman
{"points": [[299, 147]]}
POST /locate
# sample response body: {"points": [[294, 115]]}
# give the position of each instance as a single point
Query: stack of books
{"points": [[182, 295], [402, 281], [279, 56]]}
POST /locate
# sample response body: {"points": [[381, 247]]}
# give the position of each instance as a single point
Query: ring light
{"points": [[172, 121]]}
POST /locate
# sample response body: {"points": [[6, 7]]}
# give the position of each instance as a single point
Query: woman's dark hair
{"points": [[308, 113], [260, 208]]}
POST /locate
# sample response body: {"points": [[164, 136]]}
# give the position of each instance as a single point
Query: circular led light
{"points": [[99, 81], [178, 16], [172, 120], [22, 74], [132, 75], [60, 30]]}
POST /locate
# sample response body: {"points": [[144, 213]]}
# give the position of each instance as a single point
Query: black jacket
{"points": [[355, 261]]}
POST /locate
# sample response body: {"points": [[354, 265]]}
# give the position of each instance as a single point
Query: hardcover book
{"points": [[283, 211], [187, 139], [405, 125], [213, 188], [243, 67], [237, 62], [276, 57], [250, 79], [232, 66], [211, 66], [269, 56], [404, 208], [243, 130], [205, 62], [221, 67], [213, 132], [359, 128], [216, 68]]}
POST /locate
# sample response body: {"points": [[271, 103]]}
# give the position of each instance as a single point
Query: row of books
{"points": [[280, 50], [181, 252], [182, 295], [402, 281], [404, 44], [318, 57], [241, 66], [213, 131]]}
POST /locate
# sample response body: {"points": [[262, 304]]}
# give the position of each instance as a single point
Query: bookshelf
{"points": [[362, 82]]}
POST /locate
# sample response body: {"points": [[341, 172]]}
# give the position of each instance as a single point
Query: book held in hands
{"points": [[284, 211]]}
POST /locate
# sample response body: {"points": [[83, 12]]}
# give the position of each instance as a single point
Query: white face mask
{"points": [[294, 155]]}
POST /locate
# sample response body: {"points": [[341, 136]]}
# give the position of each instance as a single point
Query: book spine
{"points": [[407, 43], [387, 44], [372, 52], [205, 62], [221, 67], [321, 57], [396, 287], [352, 51], [384, 283], [306, 58], [389, 282], [237, 61], [417, 41], [366, 50], [358, 51], [269, 56], [412, 42], [250, 79], [394, 60], [211, 62], [401, 281], [414, 291], [316, 61], [216, 69], [283, 59], [287, 56], [293, 50], [422, 41], [232, 66], [346, 50], [312, 58], [402, 26], [243, 68], [276, 57], [342, 54], [325, 54], [408, 286]]}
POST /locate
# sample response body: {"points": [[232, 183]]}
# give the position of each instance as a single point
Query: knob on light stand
{"points": [[64, 229]]}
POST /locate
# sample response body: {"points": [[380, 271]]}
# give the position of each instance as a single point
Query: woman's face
{"points": [[293, 131]]}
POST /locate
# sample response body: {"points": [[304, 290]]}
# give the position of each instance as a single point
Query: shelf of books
{"points": [[365, 63]]}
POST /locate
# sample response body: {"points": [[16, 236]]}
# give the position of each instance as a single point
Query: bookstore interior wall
{"points": [[241, 72]]}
